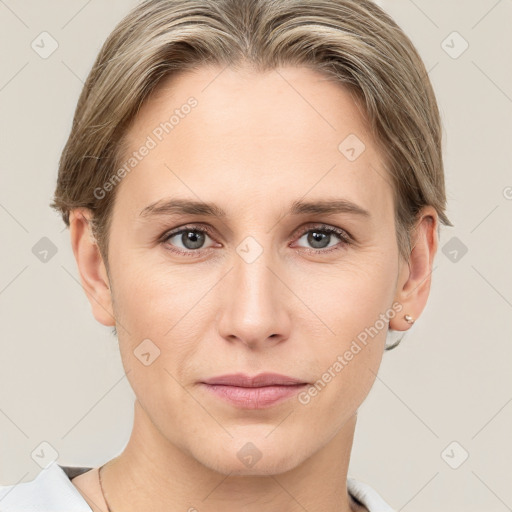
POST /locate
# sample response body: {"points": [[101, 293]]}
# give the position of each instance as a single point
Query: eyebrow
{"points": [[185, 206]]}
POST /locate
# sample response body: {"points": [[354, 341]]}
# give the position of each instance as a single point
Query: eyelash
{"points": [[345, 238]]}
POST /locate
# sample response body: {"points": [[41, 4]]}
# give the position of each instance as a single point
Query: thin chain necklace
{"points": [[102, 491]]}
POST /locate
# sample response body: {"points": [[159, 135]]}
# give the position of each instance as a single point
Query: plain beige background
{"points": [[443, 395]]}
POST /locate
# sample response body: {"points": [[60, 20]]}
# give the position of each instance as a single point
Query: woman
{"points": [[254, 191]]}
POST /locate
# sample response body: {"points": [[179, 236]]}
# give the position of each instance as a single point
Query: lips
{"points": [[260, 380], [257, 392]]}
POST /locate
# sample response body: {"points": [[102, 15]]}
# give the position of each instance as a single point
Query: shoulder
{"points": [[51, 490], [367, 496]]}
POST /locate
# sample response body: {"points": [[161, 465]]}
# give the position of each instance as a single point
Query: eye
{"points": [[187, 240], [190, 240], [321, 236]]}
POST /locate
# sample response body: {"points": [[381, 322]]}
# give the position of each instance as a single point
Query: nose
{"points": [[255, 303]]}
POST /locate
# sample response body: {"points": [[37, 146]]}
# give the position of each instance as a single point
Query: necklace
{"points": [[102, 491], [108, 506]]}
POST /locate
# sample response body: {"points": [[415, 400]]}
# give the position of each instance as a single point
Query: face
{"points": [[271, 285]]}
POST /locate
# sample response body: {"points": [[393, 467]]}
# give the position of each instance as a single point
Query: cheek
{"points": [[355, 307], [346, 366], [156, 308], [351, 297], [150, 299]]}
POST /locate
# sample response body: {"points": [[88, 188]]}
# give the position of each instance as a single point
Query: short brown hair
{"points": [[353, 42]]}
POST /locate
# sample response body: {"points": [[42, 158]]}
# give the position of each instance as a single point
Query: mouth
{"points": [[257, 392], [260, 380]]}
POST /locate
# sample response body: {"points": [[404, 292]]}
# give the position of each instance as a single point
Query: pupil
{"points": [[192, 239], [316, 237]]}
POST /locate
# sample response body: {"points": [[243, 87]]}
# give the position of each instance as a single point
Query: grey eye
{"points": [[190, 239]]}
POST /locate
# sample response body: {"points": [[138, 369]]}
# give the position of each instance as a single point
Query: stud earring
{"points": [[391, 346], [409, 319]]}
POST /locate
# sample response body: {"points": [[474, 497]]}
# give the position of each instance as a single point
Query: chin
{"points": [[257, 456]]}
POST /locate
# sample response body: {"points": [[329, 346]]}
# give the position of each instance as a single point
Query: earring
{"points": [[409, 320]]}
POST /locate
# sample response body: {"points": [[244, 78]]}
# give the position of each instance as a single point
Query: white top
{"points": [[52, 491]]}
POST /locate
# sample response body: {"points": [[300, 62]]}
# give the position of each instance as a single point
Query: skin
{"points": [[254, 144]]}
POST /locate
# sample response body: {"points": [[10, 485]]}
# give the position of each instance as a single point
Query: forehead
{"points": [[286, 131], [290, 102]]}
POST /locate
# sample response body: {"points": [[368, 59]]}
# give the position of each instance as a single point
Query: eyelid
{"points": [[343, 234], [207, 229], [187, 227]]}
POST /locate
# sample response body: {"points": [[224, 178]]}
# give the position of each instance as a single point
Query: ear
{"points": [[413, 284], [93, 274]]}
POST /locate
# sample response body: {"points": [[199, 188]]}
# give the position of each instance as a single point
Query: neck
{"points": [[153, 474]]}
